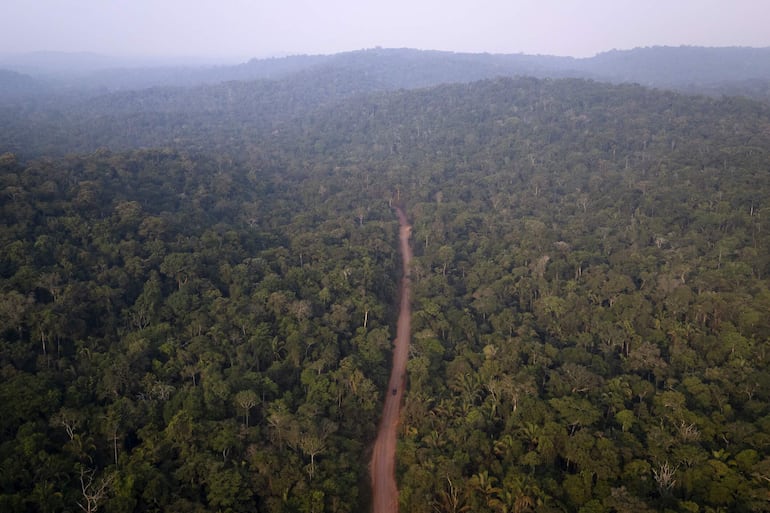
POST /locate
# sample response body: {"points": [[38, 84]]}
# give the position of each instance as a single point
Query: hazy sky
{"points": [[249, 28]]}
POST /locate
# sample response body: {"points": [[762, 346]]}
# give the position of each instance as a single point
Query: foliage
{"points": [[207, 328]]}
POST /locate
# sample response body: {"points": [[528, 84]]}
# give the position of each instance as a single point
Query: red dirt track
{"points": [[383, 466]]}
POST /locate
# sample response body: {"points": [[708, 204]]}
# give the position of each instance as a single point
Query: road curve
{"points": [[383, 465]]}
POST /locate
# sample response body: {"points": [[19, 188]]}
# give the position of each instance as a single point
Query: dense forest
{"points": [[71, 103], [198, 292]]}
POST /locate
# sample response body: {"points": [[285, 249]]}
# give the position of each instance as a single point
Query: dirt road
{"points": [[383, 466]]}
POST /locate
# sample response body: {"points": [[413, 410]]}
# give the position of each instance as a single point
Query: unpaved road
{"points": [[383, 466]]}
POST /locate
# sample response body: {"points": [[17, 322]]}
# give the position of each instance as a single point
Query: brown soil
{"points": [[384, 489]]}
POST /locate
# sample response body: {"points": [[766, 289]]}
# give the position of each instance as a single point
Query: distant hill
{"points": [[52, 62], [129, 108], [14, 85], [691, 69], [680, 67], [55, 62]]}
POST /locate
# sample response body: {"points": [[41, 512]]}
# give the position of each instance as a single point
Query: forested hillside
{"points": [[684, 67], [198, 317], [88, 107]]}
